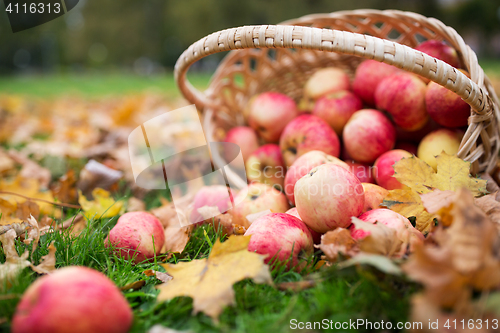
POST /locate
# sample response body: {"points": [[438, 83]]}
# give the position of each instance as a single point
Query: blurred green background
{"points": [[119, 39]]}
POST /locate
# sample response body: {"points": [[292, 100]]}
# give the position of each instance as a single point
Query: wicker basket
{"points": [[282, 57]]}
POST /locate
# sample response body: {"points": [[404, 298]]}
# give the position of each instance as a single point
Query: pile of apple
{"points": [[331, 157]]}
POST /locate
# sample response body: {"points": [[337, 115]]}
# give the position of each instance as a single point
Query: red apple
{"points": [[328, 196], [316, 236], [385, 170], [367, 135], [441, 51], [74, 300], [215, 195], [258, 198], [280, 237], [324, 81], [390, 219], [336, 108], [269, 113], [245, 137], [303, 165], [403, 96], [138, 234], [436, 142], [374, 195], [266, 165], [306, 133], [368, 75], [364, 172], [445, 107]]}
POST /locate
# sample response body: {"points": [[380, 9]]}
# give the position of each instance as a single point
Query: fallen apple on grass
{"points": [[266, 166], [367, 135], [74, 300], [336, 108], [315, 235], [136, 234], [215, 195], [328, 196], [258, 198], [303, 165], [269, 113], [280, 236], [402, 95], [367, 77], [245, 137], [384, 175], [436, 142], [306, 133]]}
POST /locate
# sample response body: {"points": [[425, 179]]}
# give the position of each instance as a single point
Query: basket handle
{"points": [[300, 37]]}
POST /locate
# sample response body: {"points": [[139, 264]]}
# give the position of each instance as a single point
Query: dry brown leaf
{"points": [[33, 233], [48, 264], [135, 205], [14, 263], [210, 281], [27, 209], [65, 188], [491, 184], [491, 207], [381, 240], [338, 241], [213, 216], [176, 237], [163, 277]]}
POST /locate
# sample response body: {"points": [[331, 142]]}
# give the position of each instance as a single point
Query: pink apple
{"points": [[306, 133], [280, 237], [75, 300], [303, 165], [324, 81], [408, 146], [436, 142], [367, 135], [374, 195], [390, 219], [336, 108], [269, 113], [316, 236], [445, 107], [215, 195], [138, 234], [328, 196], [385, 170], [266, 165], [258, 198], [441, 51], [364, 172], [245, 137], [368, 75], [403, 96]]}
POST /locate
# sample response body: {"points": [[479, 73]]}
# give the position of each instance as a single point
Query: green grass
{"points": [[342, 295]]}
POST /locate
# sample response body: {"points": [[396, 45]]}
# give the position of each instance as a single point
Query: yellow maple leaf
{"points": [[210, 281], [102, 206], [452, 174]]}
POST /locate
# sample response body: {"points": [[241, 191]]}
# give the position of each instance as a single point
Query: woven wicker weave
{"points": [[282, 57]]}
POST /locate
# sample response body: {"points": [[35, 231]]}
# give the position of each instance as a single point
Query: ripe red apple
{"points": [[138, 234], [258, 198], [441, 51], [306, 133], [316, 236], [367, 135], [245, 137], [280, 237], [336, 108], [215, 195], [303, 165], [324, 81], [328, 196], [436, 142], [266, 165], [368, 75], [374, 195], [385, 170], [403, 96], [364, 172], [408, 146], [445, 107], [390, 219], [74, 300], [269, 113]]}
